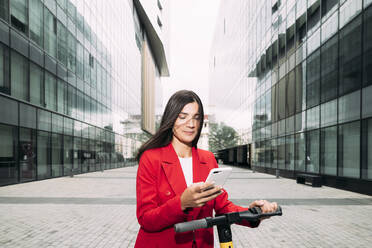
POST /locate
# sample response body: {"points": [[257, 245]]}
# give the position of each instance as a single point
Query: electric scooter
{"points": [[223, 223]]}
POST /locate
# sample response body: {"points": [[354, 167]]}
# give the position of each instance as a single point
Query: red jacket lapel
{"points": [[172, 168], [173, 171]]}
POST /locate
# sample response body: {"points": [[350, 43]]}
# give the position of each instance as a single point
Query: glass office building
{"points": [[308, 65], [71, 73]]}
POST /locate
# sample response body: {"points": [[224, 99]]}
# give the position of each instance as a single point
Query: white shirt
{"points": [[186, 164]]}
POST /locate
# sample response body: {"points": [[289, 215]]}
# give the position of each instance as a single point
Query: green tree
{"points": [[221, 136]]}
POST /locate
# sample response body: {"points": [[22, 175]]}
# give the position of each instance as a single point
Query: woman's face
{"points": [[187, 124]]}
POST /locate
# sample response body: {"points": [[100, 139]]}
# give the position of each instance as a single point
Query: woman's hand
{"points": [[197, 194], [266, 207]]}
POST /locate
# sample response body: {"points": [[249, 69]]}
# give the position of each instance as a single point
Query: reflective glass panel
{"points": [[312, 151], [19, 76], [27, 154], [36, 85], [19, 15], [328, 150], [4, 69], [36, 22], [349, 107], [367, 47], [50, 33], [350, 57], [349, 150], [300, 152], [8, 155]]}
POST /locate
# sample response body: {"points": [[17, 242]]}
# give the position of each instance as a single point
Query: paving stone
{"points": [[98, 210]]}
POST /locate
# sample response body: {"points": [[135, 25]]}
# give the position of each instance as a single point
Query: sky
{"points": [[192, 25]]}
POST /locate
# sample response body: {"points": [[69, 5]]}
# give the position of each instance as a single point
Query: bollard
{"points": [[71, 172], [277, 173], [253, 169]]}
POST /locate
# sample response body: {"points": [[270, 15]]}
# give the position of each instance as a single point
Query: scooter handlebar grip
{"points": [[190, 225]]}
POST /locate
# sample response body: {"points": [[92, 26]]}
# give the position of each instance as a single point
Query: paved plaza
{"points": [[98, 210]]}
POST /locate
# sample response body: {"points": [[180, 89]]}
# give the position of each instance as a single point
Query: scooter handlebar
{"points": [[252, 214], [191, 225]]}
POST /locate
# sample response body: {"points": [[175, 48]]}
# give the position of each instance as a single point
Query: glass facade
{"points": [[307, 74], [70, 82]]}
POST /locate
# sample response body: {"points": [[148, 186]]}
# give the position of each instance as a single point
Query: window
{"points": [[349, 150], [8, 154], [77, 148], [71, 63], [312, 151], [18, 15], [367, 3], [328, 7], [350, 57], [8, 111], [367, 102], [79, 61], [328, 112], [68, 154], [50, 33], [63, 4], [349, 10], [313, 80], [290, 94], [328, 150], [329, 65], [27, 154], [281, 152], [43, 157], [80, 105], [71, 105], [289, 152], [19, 76], [330, 27], [367, 47], [57, 123], [4, 69], [36, 22], [50, 91], [36, 85], [274, 103], [300, 87], [312, 118], [71, 10], [313, 42], [313, 17], [300, 152], [44, 121], [367, 149], [86, 66], [27, 116], [57, 159], [87, 111], [349, 107], [4, 11], [282, 98], [61, 99], [62, 44], [268, 107]]}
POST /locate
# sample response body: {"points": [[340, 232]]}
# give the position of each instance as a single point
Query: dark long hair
{"points": [[174, 106]]}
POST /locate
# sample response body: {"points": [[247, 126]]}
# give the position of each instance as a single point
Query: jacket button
{"points": [[167, 193]]}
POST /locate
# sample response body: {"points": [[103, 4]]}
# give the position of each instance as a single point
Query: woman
{"points": [[170, 180]]}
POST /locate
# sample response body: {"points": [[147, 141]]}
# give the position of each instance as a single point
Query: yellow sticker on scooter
{"points": [[226, 245]]}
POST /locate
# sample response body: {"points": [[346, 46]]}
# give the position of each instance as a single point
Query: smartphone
{"points": [[218, 176]]}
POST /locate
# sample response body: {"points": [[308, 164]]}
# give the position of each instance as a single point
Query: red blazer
{"points": [[160, 183]]}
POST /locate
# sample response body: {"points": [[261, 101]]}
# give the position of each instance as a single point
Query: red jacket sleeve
{"points": [[151, 216]]}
